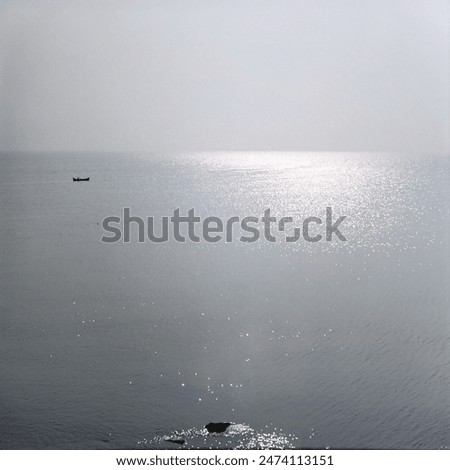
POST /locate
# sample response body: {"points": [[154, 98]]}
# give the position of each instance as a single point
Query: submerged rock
{"points": [[217, 427]]}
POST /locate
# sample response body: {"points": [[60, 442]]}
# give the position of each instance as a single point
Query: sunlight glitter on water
{"points": [[237, 436]]}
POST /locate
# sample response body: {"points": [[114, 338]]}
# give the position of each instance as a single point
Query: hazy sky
{"points": [[224, 74]]}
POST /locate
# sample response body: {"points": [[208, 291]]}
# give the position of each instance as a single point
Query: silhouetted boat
{"points": [[80, 179], [217, 427]]}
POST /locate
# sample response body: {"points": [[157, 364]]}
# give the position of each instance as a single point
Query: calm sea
{"points": [[306, 345]]}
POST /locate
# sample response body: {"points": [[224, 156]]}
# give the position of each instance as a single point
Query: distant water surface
{"points": [[305, 345]]}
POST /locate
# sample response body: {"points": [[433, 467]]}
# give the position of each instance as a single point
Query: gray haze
{"points": [[210, 74]]}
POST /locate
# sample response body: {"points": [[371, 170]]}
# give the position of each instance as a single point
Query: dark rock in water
{"points": [[217, 427], [176, 441]]}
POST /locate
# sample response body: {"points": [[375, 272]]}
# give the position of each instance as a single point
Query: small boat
{"points": [[80, 179]]}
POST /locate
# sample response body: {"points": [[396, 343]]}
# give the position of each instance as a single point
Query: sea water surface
{"points": [[305, 345]]}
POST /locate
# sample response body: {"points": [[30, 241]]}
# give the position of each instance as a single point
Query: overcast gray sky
{"points": [[224, 74]]}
